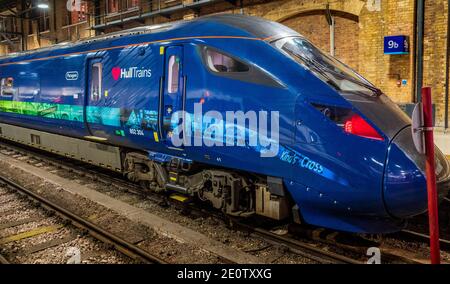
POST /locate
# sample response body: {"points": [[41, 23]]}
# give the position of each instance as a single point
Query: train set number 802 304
{"points": [[138, 132]]}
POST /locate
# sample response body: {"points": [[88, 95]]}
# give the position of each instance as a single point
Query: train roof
{"points": [[237, 25]]}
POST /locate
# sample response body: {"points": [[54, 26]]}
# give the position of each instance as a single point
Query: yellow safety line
{"points": [[29, 234], [93, 217]]}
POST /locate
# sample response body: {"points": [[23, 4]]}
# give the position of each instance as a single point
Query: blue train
{"points": [[341, 156]]}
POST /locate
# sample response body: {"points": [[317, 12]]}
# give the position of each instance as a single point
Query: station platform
{"points": [[442, 140]]}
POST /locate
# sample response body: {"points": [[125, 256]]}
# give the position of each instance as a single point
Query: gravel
{"points": [[91, 250], [166, 248], [130, 231]]}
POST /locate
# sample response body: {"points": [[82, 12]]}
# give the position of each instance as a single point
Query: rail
{"points": [[95, 231]]}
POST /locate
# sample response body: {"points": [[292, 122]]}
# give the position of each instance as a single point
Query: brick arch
{"points": [[314, 26], [335, 13], [292, 8]]}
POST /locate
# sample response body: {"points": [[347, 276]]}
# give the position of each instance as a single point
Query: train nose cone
{"points": [[405, 190]]}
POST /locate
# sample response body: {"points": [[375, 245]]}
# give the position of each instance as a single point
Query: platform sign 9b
{"points": [[396, 45]]}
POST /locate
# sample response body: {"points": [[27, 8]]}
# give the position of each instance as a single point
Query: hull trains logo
{"points": [[130, 73]]}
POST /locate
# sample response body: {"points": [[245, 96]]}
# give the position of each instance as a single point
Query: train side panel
{"points": [[48, 95], [123, 108]]}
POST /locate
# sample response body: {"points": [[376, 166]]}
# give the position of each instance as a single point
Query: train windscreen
{"points": [[361, 93], [326, 67]]}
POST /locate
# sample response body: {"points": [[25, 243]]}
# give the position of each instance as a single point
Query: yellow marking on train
{"points": [[95, 138], [161, 50], [155, 135], [106, 94], [173, 178], [179, 197], [29, 234]]}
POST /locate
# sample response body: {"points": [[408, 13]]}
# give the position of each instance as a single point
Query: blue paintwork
{"points": [[404, 182], [338, 180]]}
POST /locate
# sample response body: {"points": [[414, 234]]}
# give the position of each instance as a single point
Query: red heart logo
{"points": [[116, 73]]}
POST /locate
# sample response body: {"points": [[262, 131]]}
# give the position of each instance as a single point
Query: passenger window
{"points": [[174, 74], [222, 63], [7, 87], [96, 82]]}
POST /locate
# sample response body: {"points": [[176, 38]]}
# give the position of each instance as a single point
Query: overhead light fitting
{"points": [[42, 5]]}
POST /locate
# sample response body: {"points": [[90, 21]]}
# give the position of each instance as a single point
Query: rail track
{"points": [[420, 236], [112, 241], [293, 245], [111, 179], [298, 247], [424, 238], [331, 246], [95, 173]]}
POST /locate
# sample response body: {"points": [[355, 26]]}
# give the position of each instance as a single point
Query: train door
{"points": [[94, 101], [173, 93]]}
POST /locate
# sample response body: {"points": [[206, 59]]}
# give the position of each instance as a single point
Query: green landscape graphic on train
{"points": [[116, 117]]}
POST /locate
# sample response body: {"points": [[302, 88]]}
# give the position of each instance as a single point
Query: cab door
{"points": [[94, 101], [172, 99]]}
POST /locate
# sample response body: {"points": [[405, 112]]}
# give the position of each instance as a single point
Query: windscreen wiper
{"points": [[318, 65], [319, 70]]}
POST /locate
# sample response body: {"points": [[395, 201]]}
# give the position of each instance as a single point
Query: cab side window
{"points": [[221, 63], [174, 74], [232, 67], [96, 82]]}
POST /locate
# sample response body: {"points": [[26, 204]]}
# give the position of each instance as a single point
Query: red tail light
{"points": [[356, 125], [351, 122]]}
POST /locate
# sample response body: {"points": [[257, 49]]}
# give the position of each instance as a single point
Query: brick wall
{"points": [[386, 71], [314, 26], [391, 17], [435, 44], [360, 30]]}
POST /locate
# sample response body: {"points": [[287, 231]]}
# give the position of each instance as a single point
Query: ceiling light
{"points": [[42, 5]]}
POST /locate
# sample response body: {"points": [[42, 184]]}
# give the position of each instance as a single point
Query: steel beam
{"points": [[165, 12]]}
